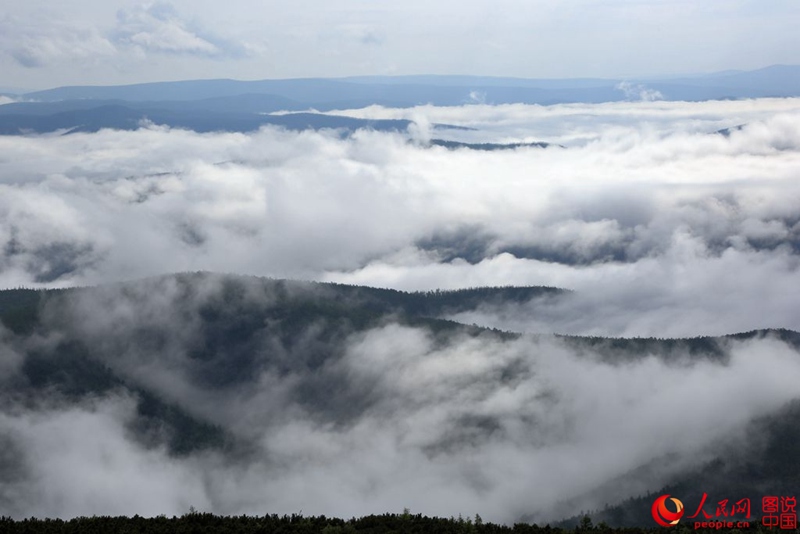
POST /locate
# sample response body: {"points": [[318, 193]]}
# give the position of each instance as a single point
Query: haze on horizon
{"points": [[89, 42]]}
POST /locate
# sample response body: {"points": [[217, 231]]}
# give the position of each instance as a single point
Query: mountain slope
{"points": [[213, 369]]}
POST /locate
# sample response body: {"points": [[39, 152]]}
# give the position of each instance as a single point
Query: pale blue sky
{"points": [[45, 44]]}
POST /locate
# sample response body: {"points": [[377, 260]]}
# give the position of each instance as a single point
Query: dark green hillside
{"points": [[678, 350], [407, 523], [277, 346], [244, 328], [201, 523], [67, 373], [122, 117], [488, 147], [440, 303], [247, 327], [19, 308]]}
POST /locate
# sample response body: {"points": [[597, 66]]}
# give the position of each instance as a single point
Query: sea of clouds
{"points": [[661, 226]]}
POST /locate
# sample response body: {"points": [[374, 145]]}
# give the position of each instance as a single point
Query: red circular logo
{"points": [[663, 515]]}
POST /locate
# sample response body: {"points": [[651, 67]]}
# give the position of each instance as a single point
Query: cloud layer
{"points": [[661, 225], [392, 417], [141, 31], [159, 28], [38, 44]]}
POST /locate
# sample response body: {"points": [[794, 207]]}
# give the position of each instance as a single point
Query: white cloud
{"points": [[350, 37], [80, 461], [155, 28], [159, 28], [645, 200], [639, 92], [46, 42]]}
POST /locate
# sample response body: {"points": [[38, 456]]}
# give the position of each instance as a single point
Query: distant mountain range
{"points": [[231, 105]]}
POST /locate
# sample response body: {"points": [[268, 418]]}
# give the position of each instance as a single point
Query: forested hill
{"points": [[203, 363], [406, 523], [240, 327], [19, 308], [28, 119]]}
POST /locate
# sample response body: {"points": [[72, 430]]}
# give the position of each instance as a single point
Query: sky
{"points": [[47, 44]]}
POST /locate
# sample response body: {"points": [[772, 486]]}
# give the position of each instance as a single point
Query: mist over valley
{"points": [[433, 267]]}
